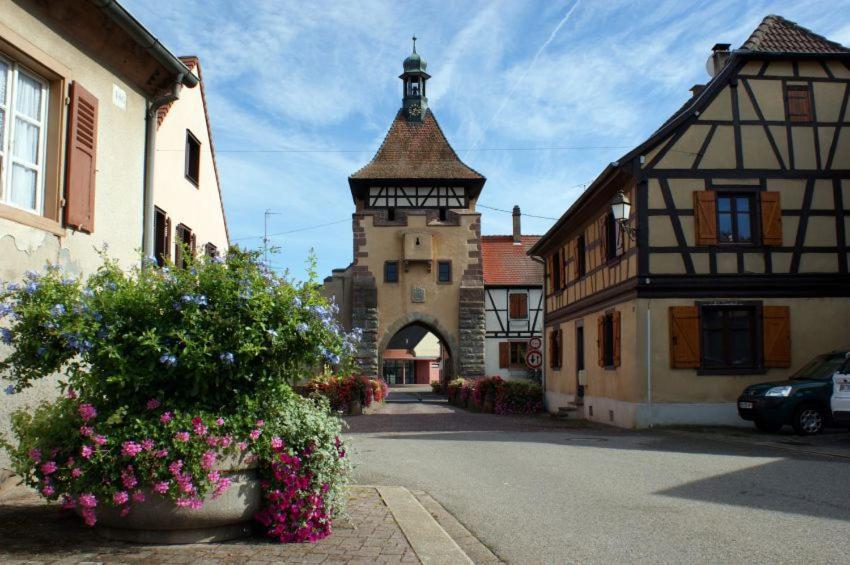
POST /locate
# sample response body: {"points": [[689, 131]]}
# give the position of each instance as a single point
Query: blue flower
{"points": [[296, 301], [9, 389], [302, 328], [12, 287], [41, 351], [149, 261], [227, 358], [168, 360], [32, 275], [88, 293], [272, 333], [67, 281], [5, 309], [218, 259], [57, 310], [6, 336], [31, 287]]}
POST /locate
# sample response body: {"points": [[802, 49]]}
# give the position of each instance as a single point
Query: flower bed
{"points": [[344, 392], [493, 394], [159, 389]]}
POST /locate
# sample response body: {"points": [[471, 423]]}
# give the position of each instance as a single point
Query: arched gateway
{"points": [[417, 240]]}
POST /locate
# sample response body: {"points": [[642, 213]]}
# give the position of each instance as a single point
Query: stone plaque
{"points": [[417, 294]]}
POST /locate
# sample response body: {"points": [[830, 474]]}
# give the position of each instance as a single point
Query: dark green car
{"points": [[801, 401]]}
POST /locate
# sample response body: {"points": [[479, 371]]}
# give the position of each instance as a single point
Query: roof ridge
{"points": [[760, 38]]}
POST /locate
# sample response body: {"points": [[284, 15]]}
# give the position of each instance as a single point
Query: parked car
{"points": [[841, 397], [803, 401]]}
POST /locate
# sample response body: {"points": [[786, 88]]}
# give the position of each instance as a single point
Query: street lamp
{"points": [[620, 207]]}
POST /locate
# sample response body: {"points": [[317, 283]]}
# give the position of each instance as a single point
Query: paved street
{"points": [[536, 490]]}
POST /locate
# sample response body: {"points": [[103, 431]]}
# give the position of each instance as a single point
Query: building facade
{"points": [[513, 303], [417, 244], [734, 257]]}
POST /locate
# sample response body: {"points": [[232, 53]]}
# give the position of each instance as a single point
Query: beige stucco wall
{"points": [[198, 207], [119, 179]]}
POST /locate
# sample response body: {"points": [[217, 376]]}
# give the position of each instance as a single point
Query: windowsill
{"points": [[732, 371], [31, 220], [444, 282]]}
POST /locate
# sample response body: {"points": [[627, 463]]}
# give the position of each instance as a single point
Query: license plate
{"points": [[844, 387], [745, 405]]}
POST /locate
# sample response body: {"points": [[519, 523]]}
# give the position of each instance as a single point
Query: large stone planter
{"points": [[159, 521]]}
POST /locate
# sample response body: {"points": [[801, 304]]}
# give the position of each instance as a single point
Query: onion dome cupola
{"points": [[414, 77]]}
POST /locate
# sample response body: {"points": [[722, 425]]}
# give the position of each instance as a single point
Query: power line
{"points": [[305, 228], [511, 212]]}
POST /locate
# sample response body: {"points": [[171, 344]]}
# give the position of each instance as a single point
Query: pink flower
{"points": [[261, 423], [226, 441], [166, 417], [243, 445], [212, 441], [200, 429], [86, 431], [76, 472], [86, 451], [175, 466], [71, 393], [182, 436], [130, 449], [214, 477], [68, 503], [219, 421], [88, 516], [70, 462], [87, 412], [147, 444], [99, 439], [255, 434], [138, 496], [125, 512], [161, 487], [48, 467], [162, 453], [152, 404], [208, 459], [48, 490], [222, 486], [35, 454], [88, 500], [277, 443], [120, 497], [129, 480]]}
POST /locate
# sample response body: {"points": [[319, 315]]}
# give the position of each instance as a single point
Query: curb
{"points": [[431, 543]]}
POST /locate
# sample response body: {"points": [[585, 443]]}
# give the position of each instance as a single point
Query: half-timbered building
{"points": [[732, 265], [513, 302]]}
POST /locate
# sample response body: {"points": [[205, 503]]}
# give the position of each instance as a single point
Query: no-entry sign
{"points": [[534, 359]]}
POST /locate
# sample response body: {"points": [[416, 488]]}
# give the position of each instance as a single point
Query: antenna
{"points": [[266, 215]]}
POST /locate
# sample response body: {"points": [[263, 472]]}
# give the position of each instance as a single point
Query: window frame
{"points": [[7, 159], [755, 308], [440, 265], [191, 139], [387, 264], [520, 364], [754, 209], [799, 118]]}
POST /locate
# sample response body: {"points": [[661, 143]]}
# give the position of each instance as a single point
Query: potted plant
{"points": [[177, 421]]}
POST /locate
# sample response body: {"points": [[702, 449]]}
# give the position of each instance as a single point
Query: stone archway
{"points": [[433, 325]]}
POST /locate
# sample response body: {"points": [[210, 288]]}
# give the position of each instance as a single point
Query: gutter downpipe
{"points": [[649, 362], [150, 158]]}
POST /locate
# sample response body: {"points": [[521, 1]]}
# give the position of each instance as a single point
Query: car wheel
{"points": [[767, 427], [808, 420]]}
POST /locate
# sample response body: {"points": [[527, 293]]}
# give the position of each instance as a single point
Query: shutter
{"points": [[600, 340], [561, 269], [799, 104], [511, 306], [616, 338], [571, 259], [522, 305], [504, 354], [553, 336], [684, 337], [81, 159], [705, 217], [603, 238], [560, 359], [550, 273], [193, 242], [776, 335], [771, 218], [167, 254]]}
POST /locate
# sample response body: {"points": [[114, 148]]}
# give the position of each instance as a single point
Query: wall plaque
{"points": [[417, 294]]}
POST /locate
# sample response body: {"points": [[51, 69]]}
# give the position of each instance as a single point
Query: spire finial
{"points": [[414, 44]]}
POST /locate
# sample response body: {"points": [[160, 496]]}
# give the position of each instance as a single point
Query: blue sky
{"points": [[537, 96]]}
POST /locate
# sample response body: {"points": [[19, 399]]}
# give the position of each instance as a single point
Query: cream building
{"points": [[77, 83]]}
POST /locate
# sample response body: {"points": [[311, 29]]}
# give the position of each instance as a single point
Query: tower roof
{"points": [[775, 34], [416, 150]]}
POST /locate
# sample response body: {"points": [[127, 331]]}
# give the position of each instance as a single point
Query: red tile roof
{"points": [[775, 34], [507, 264], [416, 150]]}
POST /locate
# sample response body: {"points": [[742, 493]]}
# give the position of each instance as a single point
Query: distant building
{"points": [[513, 302], [732, 266]]}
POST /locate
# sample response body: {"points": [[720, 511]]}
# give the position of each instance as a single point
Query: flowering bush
{"points": [[437, 387], [379, 388], [519, 397], [484, 391], [341, 391], [453, 390], [167, 371]]}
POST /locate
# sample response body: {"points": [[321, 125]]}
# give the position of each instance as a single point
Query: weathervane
{"points": [[414, 44]]}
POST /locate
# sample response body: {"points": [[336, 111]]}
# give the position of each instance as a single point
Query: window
{"points": [[581, 268], [193, 158], [185, 244], [444, 214], [23, 124], [556, 271], [734, 218], [518, 351], [799, 103], [579, 348], [210, 250], [444, 271], [391, 271], [391, 214], [608, 340], [518, 305], [612, 243], [729, 337], [162, 236]]}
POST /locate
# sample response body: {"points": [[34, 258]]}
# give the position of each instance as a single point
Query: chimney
{"points": [[517, 226], [719, 56]]}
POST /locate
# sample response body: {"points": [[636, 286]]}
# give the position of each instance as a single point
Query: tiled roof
{"points": [[507, 264], [775, 34], [416, 150]]}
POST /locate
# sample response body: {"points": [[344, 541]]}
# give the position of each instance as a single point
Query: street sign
{"points": [[534, 359], [535, 343]]}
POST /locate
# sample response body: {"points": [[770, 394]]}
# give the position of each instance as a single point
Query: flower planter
{"points": [[355, 408], [158, 520]]}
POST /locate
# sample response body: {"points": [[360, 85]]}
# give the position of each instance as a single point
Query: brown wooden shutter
{"points": [[684, 337], [617, 341], [705, 217], [600, 340], [518, 306], [771, 218], [560, 358], [799, 103], [776, 336], [553, 347], [561, 269], [603, 238], [81, 159], [550, 273], [504, 354]]}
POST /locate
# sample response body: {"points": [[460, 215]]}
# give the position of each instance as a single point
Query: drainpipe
{"points": [[150, 154], [649, 361]]}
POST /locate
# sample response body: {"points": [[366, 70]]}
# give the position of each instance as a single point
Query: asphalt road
{"points": [[535, 491]]}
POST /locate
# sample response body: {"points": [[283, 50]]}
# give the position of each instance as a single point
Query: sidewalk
{"points": [[34, 532]]}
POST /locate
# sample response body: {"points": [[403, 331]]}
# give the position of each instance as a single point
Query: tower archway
{"points": [[417, 349]]}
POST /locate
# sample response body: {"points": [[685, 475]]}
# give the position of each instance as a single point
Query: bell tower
{"points": [[414, 78]]}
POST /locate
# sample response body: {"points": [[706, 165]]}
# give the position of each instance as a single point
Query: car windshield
{"points": [[821, 367]]}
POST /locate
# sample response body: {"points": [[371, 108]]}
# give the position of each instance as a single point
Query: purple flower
{"points": [[152, 404], [120, 497], [87, 412], [208, 459], [130, 449], [87, 500], [48, 467], [160, 487], [86, 451], [6, 336], [227, 358], [57, 310], [168, 360], [182, 436], [9, 389], [166, 417]]}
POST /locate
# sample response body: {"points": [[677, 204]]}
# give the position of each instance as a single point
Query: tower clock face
{"points": [[415, 110]]}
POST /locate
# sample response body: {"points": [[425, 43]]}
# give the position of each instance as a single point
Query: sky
{"points": [[537, 96]]}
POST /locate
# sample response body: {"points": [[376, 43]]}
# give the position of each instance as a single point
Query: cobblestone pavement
{"points": [[33, 532]]}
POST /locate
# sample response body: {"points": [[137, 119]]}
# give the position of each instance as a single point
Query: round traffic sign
{"points": [[534, 359], [535, 343]]}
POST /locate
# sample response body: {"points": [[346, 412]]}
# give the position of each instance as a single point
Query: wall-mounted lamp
{"points": [[620, 207]]}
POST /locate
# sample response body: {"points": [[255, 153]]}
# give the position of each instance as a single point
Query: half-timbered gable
{"points": [[734, 257]]}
